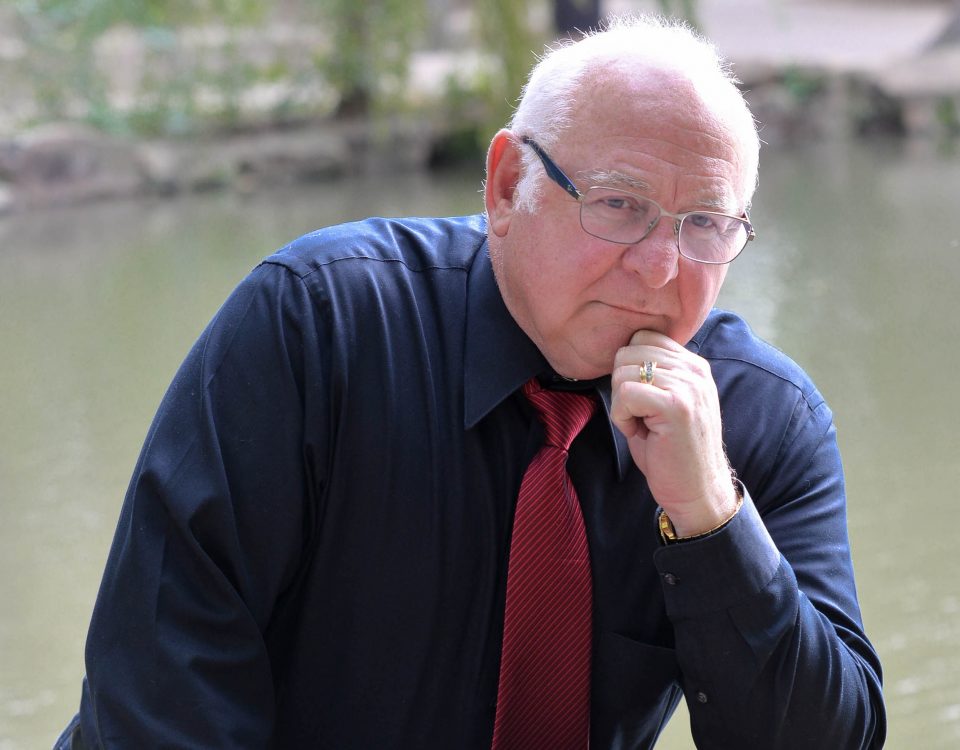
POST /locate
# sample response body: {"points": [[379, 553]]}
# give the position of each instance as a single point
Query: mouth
{"points": [[634, 316], [621, 321], [629, 310]]}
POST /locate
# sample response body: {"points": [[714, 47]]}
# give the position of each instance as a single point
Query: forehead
{"points": [[655, 133]]}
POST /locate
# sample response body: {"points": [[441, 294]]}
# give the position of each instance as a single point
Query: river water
{"points": [[855, 274]]}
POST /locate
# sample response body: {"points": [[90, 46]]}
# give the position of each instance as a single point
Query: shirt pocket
{"points": [[635, 690]]}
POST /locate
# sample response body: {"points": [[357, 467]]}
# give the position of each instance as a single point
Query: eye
{"points": [[610, 199], [702, 221], [614, 202]]}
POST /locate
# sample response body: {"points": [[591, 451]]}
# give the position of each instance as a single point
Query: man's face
{"points": [[580, 298]]}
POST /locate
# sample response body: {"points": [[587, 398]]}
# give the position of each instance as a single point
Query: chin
{"points": [[586, 365]]}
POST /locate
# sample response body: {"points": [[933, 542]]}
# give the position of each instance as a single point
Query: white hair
{"points": [[549, 96]]}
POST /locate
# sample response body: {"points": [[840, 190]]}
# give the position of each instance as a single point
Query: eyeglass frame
{"points": [[560, 178]]}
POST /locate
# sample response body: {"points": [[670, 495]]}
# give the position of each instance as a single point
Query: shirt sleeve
{"points": [[765, 614], [209, 537]]}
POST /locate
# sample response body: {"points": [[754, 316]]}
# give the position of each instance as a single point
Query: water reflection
{"points": [[853, 274]]}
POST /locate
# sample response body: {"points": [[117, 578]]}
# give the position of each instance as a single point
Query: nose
{"points": [[655, 258]]}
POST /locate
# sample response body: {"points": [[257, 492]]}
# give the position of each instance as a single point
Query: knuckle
{"points": [[623, 372]]}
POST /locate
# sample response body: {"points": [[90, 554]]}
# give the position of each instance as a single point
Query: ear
{"points": [[503, 172]]}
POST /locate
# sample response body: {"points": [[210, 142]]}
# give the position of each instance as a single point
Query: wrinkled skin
{"points": [[595, 307]]}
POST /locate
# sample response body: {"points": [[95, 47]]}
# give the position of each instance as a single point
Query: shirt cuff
{"points": [[718, 571]]}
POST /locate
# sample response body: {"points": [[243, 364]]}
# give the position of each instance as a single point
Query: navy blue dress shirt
{"points": [[312, 551]]}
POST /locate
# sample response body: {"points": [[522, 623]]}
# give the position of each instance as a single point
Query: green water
{"points": [[854, 273]]}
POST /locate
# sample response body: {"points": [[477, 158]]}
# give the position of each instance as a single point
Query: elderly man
{"points": [[505, 481]]}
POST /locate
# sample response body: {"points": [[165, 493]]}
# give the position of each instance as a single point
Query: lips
{"points": [[640, 315], [631, 310], [631, 319]]}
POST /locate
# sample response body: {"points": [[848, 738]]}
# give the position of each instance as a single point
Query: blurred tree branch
{"points": [[685, 9]]}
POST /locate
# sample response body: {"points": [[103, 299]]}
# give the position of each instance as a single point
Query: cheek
{"points": [[552, 289], [698, 288], [534, 276], [557, 263]]}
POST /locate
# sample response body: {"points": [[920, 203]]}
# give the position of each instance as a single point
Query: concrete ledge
{"points": [[64, 163]]}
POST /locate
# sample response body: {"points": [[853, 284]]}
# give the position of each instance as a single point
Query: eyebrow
{"points": [[614, 179], [718, 205]]}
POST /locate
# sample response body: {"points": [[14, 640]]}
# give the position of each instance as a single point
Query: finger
{"points": [[657, 375], [634, 354], [633, 402], [664, 371], [658, 340]]}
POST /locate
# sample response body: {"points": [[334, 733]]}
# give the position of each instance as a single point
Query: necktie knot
{"points": [[563, 413]]}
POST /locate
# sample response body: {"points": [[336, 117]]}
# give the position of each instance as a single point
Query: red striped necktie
{"points": [[543, 699]]}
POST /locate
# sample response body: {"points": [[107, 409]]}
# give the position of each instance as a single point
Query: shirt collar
{"points": [[499, 357], [624, 459]]}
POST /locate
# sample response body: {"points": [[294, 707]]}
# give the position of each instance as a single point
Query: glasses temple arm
{"points": [[553, 171]]}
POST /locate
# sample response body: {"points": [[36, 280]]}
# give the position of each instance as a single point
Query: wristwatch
{"points": [[668, 534]]}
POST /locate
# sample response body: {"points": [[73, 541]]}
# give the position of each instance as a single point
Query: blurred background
{"points": [[151, 153]]}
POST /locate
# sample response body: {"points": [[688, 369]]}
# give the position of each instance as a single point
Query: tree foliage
{"points": [[513, 41], [62, 68], [362, 52], [370, 44]]}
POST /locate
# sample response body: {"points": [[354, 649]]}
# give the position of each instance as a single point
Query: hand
{"points": [[674, 431]]}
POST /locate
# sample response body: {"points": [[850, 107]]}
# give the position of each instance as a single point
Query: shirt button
{"points": [[671, 579], [702, 697]]}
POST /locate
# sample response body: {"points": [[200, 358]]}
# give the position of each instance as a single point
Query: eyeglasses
{"points": [[627, 218]]}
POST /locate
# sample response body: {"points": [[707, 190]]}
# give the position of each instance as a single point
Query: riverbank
{"points": [[66, 163], [810, 70]]}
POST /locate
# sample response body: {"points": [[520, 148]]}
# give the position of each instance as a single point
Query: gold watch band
{"points": [[668, 534]]}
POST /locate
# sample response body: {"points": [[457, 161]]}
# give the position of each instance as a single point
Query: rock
{"points": [[303, 155], [68, 163], [384, 147], [173, 166], [244, 161]]}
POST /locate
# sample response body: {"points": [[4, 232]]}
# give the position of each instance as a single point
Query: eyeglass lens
{"points": [[619, 216]]}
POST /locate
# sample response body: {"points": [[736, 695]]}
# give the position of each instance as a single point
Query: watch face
{"points": [[667, 532]]}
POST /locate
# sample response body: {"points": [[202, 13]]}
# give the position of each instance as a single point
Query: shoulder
{"points": [[413, 245], [375, 273], [775, 420], [736, 352]]}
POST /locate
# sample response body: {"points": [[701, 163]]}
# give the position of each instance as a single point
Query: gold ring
{"points": [[647, 369]]}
